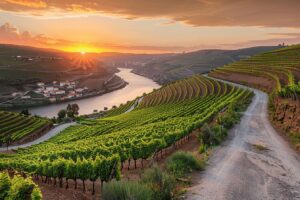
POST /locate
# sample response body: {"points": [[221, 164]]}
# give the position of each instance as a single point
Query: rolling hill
{"points": [[175, 67], [278, 73]]}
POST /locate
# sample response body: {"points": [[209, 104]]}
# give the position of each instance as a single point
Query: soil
{"points": [[253, 81]]}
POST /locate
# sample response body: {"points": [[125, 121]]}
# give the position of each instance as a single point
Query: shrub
{"points": [[180, 163], [202, 148], [4, 185], [23, 189], [121, 190], [161, 183], [208, 136]]}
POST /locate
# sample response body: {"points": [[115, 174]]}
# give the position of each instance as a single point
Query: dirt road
{"points": [[242, 169], [53, 132]]}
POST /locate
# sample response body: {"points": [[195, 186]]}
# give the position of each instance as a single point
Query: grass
{"points": [[181, 163], [126, 190]]}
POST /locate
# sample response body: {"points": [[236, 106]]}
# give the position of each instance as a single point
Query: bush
{"points": [[121, 190], [4, 185], [202, 148], [207, 136], [180, 163], [23, 189], [161, 183]]}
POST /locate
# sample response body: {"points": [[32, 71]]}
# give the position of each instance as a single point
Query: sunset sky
{"points": [[152, 26]]}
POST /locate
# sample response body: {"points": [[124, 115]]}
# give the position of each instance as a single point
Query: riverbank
{"points": [[114, 83], [136, 86]]}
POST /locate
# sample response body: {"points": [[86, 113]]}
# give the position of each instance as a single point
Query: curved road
{"points": [[240, 170], [45, 137]]}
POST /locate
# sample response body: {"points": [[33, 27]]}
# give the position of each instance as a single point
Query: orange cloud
{"points": [[269, 13], [11, 35], [26, 3]]}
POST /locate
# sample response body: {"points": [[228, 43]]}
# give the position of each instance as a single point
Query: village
{"points": [[57, 91]]}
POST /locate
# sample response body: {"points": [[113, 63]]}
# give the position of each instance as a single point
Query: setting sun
{"points": [[82, 52]]}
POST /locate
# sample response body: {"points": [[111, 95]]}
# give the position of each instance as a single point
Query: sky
{"points": [[148, 26]]}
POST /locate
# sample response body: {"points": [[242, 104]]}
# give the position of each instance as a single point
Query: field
{"points": [[15, 126], [98, 149], [278, 73]]}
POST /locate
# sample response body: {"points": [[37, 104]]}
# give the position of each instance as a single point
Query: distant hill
{"points": [[22, 65], [174, 67]]}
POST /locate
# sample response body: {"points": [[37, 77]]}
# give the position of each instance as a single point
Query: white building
{"points": [[79, 90], [49, 88], [40, 84], [60, 92], [52, 100], [26, 97], [62, 84]]}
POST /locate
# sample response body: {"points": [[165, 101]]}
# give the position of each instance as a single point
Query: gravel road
{"points": [[239, 169], [45, 137]]}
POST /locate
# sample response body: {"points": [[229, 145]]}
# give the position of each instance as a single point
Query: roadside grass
{"points": [[166, 182]]}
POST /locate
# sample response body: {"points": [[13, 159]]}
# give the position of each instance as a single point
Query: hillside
{"points": [[164, 118], [22, 67], [15, 127], [175, 67], [278, 73]]}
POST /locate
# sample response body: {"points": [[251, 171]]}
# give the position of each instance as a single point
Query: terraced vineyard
{"points": [[278, 73], [97, 148], [16, 126], [276, 69]]}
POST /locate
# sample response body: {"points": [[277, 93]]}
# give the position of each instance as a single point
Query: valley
{"points": [[147, 123]]}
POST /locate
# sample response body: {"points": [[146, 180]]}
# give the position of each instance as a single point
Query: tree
{"points": [[72, 110], [25, 112], [8, 140], [61, 114], [75, 108]]}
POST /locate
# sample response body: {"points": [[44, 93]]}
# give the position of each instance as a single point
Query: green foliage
{"points": [[61, 114], [290, 91], [16, 125], [181, 163], [202, 148], [18, 188], [25, 112], [161, 119], [4, 185], [72, 110], [161, 183], [121, 190]]}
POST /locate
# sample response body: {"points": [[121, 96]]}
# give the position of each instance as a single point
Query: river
{"points": [[137, 85]]}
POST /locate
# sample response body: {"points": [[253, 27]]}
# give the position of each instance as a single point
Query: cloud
{"points": [[269, 13], [10, 34]]}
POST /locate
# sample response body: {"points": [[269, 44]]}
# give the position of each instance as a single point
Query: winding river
{"points": [[137, 85]]}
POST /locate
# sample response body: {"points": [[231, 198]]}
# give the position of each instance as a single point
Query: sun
{"points": [[82, 52]]}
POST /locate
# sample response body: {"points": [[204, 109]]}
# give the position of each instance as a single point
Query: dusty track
{"points": [[240, 170], [45, 137]]}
